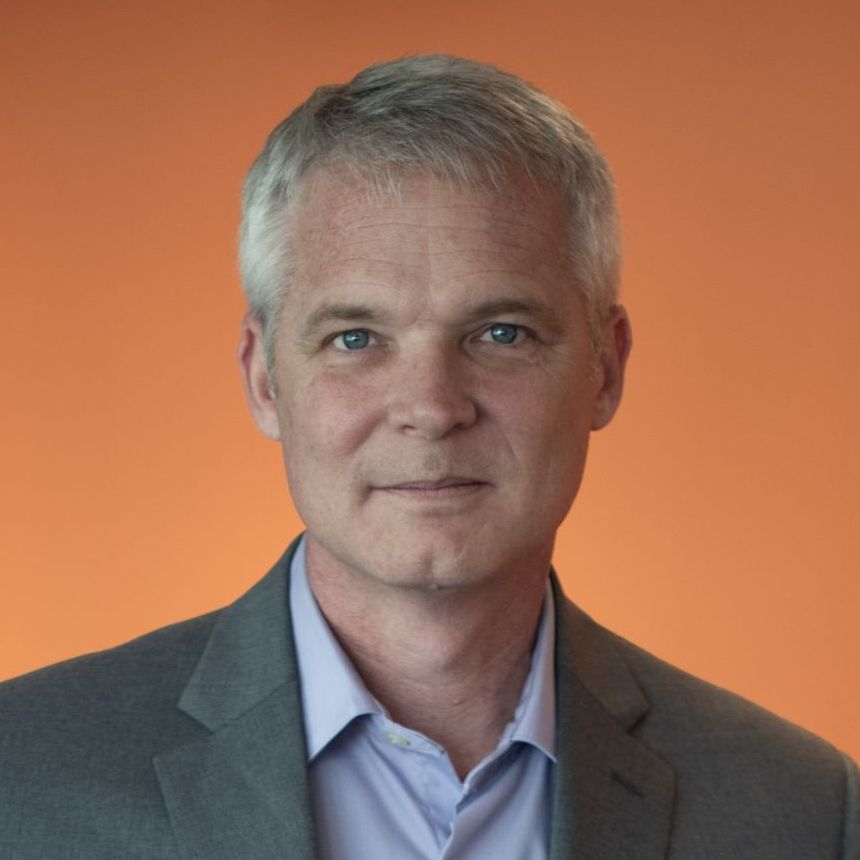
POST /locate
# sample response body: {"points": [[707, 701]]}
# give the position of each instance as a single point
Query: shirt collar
{"points": [[534, 718], [333, 693]]}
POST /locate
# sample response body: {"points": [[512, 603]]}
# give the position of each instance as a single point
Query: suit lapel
{"points": [[613, 796], [241, 789]]}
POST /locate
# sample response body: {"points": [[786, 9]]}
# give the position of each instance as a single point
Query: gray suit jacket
{"points": [[188, 743]]}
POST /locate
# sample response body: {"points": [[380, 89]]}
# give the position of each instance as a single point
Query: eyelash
{"points": [[342, 334], [522, 333]]}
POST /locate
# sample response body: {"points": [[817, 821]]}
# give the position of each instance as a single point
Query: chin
{"points": [[433, 563], [424, 556]]}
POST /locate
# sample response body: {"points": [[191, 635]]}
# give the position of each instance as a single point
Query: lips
{"points": [[427, 486]]}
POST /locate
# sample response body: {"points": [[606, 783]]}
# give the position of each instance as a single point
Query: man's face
{"points": [[433, 390]]}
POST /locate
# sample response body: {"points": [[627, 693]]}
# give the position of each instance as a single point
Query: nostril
{"points": [[433, 417]]}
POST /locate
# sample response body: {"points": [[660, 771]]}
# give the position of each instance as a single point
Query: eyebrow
{"points": [[541, 312], [354, 313], [363, 313]]}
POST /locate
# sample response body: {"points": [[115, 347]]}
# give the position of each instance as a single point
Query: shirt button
{"points": [[397, 740]]}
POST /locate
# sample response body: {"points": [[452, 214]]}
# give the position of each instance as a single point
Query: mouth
{"points": [[444, 488], [441, 484]]}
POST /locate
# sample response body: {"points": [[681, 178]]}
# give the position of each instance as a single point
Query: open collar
{"points": [[333, 693], [241, 790]]}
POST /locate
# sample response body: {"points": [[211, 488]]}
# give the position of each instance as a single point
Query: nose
{"points": [[430, 396]]}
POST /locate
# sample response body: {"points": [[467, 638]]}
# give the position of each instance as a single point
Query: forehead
{"points": [[341, 218]]}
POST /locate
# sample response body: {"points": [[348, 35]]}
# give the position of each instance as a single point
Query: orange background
{"points": [[717, 525]]}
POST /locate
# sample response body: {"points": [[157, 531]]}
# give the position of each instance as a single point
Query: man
{"points": [[430, 255]]}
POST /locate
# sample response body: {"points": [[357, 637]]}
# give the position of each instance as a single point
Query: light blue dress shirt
{"points": [[380, 790]]}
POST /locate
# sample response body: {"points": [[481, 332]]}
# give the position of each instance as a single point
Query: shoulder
{"points": [[677, 714], [687, 713], [125, 678], [746, 781], [740, 768], [77, 738]]}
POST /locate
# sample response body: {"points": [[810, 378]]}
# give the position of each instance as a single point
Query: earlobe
{"points": [[259, 391], [617, 341]]}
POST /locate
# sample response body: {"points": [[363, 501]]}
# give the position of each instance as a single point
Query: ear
{"points": [[617, 340], [259, 390]]}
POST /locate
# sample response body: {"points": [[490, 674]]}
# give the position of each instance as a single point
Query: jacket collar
{"points": [[241, 790], [613, 796]]}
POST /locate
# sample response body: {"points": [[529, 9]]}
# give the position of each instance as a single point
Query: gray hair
{"points": [[466, 122]]}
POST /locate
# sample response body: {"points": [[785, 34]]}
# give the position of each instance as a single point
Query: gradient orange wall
{"points": [[718, 523]]}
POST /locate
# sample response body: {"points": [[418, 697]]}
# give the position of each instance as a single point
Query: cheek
{"points": [[546, 429], [542, 410], [332, 416]]}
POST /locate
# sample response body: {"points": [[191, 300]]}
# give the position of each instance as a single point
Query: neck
{"points": [[448, 664]]}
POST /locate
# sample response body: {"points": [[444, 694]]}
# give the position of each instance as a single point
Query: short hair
{"points": [[466, 122]]}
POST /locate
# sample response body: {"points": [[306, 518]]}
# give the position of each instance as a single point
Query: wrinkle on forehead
{"points": [[421, 194], [521, 230]]}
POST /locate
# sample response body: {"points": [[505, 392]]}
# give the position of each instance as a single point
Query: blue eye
{"points": [[356, 338], [504, 332]]}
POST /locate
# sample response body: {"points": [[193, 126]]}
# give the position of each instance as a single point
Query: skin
{"points": [[433, 463]]}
